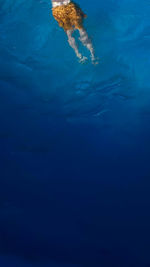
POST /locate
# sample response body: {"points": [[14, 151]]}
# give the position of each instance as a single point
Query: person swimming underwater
{"points": [[70, 17]]}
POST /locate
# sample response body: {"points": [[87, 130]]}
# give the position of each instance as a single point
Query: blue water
{"points": [[74, 139]]}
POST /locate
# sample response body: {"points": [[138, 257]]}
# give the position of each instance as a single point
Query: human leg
{"points": [[72, 43], [86, 41]]}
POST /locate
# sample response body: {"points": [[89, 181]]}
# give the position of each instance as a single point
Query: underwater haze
{"points": [[75, 138]]}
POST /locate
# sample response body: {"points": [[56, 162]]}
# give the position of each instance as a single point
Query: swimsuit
{"points": [[68, 14]]}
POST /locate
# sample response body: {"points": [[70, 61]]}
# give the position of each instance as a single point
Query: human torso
{"points": [[56, 3]]}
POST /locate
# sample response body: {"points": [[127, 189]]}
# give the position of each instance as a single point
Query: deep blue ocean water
{"points": [[74, 139]]}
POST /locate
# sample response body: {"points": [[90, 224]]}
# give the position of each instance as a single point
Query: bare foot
{"points": [[83, 59], [95, 60]]}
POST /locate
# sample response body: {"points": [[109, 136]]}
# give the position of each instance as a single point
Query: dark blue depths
{"points": [[74, 139]]}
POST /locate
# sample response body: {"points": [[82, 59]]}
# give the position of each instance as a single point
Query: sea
{"points": [[75, 138]]}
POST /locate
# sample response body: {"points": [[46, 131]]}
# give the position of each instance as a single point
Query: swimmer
{"points": [[70, 17]]}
